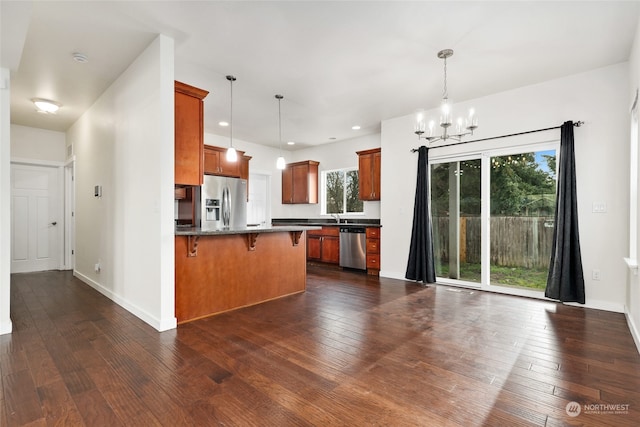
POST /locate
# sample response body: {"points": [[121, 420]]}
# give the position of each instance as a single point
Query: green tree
{"points": [[335, 192], [354, 204], [469, 173], [519, 186]]}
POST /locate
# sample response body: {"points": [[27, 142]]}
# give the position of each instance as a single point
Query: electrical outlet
{"points": [[97, 267], [599, 207], [595, 274]]}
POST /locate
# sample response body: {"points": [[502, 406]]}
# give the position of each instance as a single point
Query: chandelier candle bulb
{"points": [[445, 119], [420, 126]]}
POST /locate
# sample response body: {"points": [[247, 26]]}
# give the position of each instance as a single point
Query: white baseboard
{"points": [[595, 304], [632, 328], [392, 275], [159, 324], [6, 327]]}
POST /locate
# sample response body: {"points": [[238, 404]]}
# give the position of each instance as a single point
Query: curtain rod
{"points": [[576, 124]]}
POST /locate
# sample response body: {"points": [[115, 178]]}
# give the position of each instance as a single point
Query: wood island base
{"points": [[232, 271]]}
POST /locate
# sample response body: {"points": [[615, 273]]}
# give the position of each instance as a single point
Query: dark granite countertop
{"points": [[279, 222], [194, 231]]}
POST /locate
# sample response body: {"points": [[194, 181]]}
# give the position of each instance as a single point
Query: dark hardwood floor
{"points": [[354, 350]]}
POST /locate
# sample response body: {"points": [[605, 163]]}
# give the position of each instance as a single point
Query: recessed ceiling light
{"points": [[356, 127], [291, 143], [80, 57], [223, 124], [46, 106], [332, 137]]}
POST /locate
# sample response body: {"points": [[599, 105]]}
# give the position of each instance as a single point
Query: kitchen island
{"points": [[222, 270]]}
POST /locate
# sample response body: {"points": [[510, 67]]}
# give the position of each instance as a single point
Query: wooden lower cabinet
{"points": [[373, 250], [324, 245]]}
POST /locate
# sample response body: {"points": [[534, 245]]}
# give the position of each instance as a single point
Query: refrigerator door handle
{"points": [[226, 207]]}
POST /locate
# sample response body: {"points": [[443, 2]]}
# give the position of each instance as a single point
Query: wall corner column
{"points": [[5, 202]]}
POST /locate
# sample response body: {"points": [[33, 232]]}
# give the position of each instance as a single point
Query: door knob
{"points": [[54, 223]]}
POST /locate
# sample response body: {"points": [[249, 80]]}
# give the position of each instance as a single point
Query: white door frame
{"points": [[69, 214], [59, 166]]}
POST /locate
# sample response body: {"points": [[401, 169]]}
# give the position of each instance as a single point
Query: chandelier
{"points": [[462, 127]]}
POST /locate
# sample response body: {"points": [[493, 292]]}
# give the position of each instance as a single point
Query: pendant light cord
{"points": [[279, 98], [231, 80], [231, 114], [280, 124]]}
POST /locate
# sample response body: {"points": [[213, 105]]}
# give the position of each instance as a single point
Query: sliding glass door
{"points": [[493, 217], [455, 209], [522, 206]]}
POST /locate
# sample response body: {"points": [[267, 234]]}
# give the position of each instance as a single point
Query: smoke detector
{"points": [[80, 57]]}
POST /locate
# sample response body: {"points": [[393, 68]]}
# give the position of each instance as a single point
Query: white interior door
{"points": [[258, 208], [35, 218]]}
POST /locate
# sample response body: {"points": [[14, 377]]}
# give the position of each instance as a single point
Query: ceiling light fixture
{"points": [[232, 154], [223, 124], [462, 128], [46, 106], [280, 162], [356, 127], [291, 143]]}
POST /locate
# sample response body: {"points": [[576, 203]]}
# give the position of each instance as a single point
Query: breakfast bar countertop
{"points": [[195, 231]]}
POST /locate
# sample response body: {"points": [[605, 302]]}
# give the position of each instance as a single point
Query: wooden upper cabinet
{"points": [[189, 134], [300, 182], [244, 166], [215, 162], [369, 162], [244, 171]]}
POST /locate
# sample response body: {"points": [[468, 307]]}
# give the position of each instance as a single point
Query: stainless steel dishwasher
{"points": [[353, 247]]}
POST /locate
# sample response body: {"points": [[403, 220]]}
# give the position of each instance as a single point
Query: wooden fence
{"points": [[515, 241]]}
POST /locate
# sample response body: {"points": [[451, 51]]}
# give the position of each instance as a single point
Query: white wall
{"points": [[600, 98], [37, 144], [331, 156], [337, 155], [632, 302], [5, 200], [124, 143]]}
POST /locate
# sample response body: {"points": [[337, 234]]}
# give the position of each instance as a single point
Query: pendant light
{"points": [[280, 163], [232, 155]]}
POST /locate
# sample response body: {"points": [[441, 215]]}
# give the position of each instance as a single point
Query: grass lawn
{"points": [[520, 277]]}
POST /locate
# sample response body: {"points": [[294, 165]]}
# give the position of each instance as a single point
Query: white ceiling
{"points": [[337, 64]]}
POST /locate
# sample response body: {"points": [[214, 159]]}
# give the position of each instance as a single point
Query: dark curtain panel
{"points": [[566, 279], [421, 265]]}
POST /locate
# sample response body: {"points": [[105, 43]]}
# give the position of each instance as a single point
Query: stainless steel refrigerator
{"points": [[223, 203]]}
